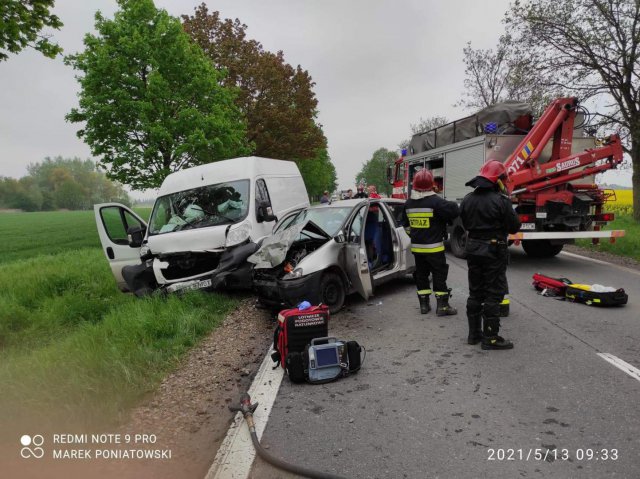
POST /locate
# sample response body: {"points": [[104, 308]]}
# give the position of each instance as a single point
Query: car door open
{"points": [[121, 232], [357, 264]]}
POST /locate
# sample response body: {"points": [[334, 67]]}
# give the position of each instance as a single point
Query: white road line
{"points": [[236, 454], [621, 365], [599, 261]]}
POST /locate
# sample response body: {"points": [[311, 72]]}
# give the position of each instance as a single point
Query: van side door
{"points": [[115, 222]]}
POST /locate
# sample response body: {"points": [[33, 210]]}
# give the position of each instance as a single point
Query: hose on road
{"points": [[247, 409]]}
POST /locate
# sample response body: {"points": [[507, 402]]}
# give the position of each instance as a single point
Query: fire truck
{"points": [[551, 165]]}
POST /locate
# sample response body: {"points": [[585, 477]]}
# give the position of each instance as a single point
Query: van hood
{"points": [[274, 248], [211, 238]]}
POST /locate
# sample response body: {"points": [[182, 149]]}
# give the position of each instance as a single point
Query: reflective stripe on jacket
{"points": [[426, 221]]}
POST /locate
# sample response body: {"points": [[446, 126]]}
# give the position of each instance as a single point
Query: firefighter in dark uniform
{"points": [[488, 216], [425, 217]]}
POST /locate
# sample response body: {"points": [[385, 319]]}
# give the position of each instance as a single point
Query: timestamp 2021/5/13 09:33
{"points": [[550, 455]]}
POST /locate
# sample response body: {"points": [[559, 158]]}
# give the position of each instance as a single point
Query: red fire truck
{"points": [[551, 166]]}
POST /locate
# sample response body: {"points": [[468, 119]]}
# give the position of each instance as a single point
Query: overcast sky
{"points": [[379, 65]]}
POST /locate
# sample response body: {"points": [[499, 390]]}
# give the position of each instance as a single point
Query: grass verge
{"points": [[74, 351], [629, 245]]}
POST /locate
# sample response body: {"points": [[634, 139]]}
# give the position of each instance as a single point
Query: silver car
{"points": [[324, 253]]}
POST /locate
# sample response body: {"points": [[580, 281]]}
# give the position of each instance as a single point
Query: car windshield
{"points": [[329, 219], [223, 203]]}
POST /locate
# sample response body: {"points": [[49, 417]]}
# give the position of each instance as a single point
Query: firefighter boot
{"points": [[491, 339], [504, 308], [424, 303], [443, 308], [474, 317]]}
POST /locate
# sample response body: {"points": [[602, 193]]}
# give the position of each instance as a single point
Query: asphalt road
{"points": [[427, 405]]}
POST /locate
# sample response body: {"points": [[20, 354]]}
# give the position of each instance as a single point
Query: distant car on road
{"points": [[323, 253]]}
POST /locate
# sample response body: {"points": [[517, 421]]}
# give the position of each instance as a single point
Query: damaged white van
{"points": [[204, 224]]}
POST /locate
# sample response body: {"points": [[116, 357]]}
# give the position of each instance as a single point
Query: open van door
{"points": [[115, 223], [357, 264]]}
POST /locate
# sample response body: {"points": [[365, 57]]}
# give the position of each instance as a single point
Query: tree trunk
{"points": [[635, 179]]}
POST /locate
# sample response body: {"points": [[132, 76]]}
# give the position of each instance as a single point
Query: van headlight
{"points": [[295, 274], [238, 234]]}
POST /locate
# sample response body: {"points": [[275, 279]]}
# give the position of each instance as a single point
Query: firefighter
{"points": [[425, 217], [488, 216]]}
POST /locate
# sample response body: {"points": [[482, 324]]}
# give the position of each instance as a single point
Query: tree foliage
{"points": [[374, 171], [591, 48], [504, 73], [277, 99], [152, 103], [319, 174], [21, 22], [69, 183], [424, 124]]}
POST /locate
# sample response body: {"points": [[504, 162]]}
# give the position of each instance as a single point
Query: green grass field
{"points": [[629, 245], [24, 235], [74, 350]]}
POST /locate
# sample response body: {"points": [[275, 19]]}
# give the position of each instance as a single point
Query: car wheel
{"points": [[332, 292]]}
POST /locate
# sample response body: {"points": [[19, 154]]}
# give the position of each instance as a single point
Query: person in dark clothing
{"points": [[425, 218], [361, 193], [488, 216], [325, 198]]}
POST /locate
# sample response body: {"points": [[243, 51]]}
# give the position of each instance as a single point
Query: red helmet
{"points": [[423, 181], [493, 170]]}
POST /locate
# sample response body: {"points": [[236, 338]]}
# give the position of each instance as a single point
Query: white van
{"points": [[204, 224]]}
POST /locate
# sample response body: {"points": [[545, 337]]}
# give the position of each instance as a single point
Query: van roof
{"points": [[226, 170]]}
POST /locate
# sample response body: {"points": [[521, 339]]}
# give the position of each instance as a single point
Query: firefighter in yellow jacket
{"points": [[425, 218]]}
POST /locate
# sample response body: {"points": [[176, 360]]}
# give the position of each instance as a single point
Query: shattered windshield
{"points": [[329, 219], [210, 205]]}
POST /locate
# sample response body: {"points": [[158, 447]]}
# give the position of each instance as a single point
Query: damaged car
{"points": [[324, 253], [204, 224]]}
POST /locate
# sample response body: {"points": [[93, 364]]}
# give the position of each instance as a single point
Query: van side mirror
{"points": [[340, 237], [135, 235], [265, 213]]}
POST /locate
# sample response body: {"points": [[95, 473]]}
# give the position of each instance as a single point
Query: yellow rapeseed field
{"points": [[623, 203]]}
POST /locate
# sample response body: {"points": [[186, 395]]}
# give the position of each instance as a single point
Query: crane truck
{"points": [[551, 166]]}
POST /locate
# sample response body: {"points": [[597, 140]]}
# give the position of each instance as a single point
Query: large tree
{"points": [[374, 171], [504, 73], [592, 48], [319, 174], [277, 99], [21, 23], [151, 102]]}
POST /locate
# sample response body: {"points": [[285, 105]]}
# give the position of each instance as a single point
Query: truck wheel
{"points": [[541, 248], [457, 242], [332, 292]]}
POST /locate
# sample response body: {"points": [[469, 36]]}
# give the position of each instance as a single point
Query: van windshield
{"points": [[223, 203]]}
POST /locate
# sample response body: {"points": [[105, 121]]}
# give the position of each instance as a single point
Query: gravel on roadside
{"points": [[189, 411]]}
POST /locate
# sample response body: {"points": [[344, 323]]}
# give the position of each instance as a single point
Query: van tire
{"points": [[458, 241], [332, 292], [541, 248]]}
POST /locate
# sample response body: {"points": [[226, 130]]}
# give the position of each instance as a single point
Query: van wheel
{"points": [[332, 292], [458, 242], [541, 248]]}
